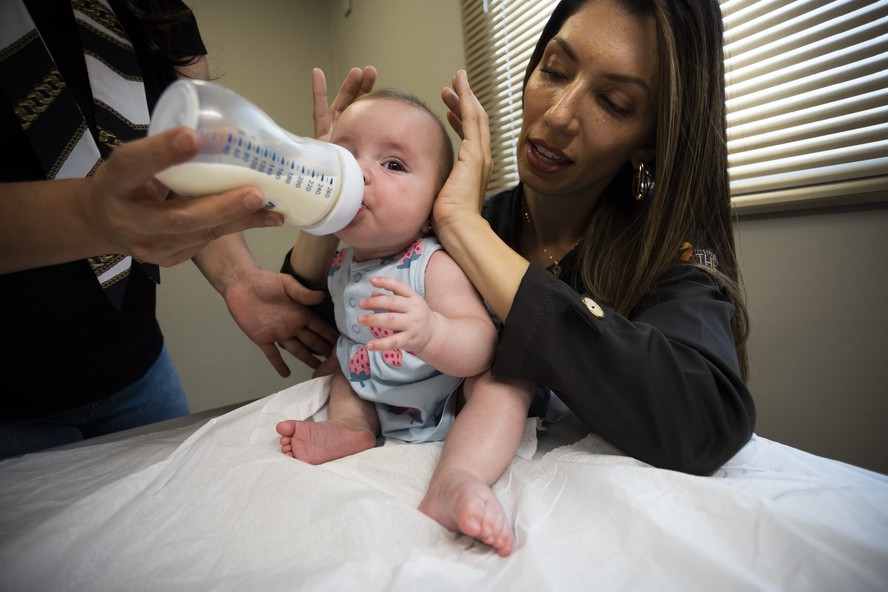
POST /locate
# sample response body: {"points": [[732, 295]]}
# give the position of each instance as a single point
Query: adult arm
{"points": [[663, 384], [121, 209], [494, 268], [270, 308], [311, 255]]}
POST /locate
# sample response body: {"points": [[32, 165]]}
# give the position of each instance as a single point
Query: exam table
{"points": [[208, 502]]}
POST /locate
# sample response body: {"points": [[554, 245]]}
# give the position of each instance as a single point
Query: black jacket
{"points": [[662, 383]]}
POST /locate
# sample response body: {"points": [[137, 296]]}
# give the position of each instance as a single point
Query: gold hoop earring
{"points": [[643, 184]]}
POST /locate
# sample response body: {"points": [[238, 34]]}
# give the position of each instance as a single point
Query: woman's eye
{"points": [[393, 165], [550, 73], [615, 108]]}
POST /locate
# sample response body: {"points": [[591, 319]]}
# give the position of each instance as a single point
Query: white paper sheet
{"points": [[225, 510]]}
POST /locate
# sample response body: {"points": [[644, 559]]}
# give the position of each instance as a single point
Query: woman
{"points": [[612, 263], [641, 335]]}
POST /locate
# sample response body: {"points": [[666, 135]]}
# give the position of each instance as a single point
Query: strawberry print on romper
{"points": [[336, 264], [392, 357], [415, 402], [359, 366], [412, 253]]}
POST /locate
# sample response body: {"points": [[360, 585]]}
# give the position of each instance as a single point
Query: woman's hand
{"points": [[129, 209], [357, 82], [492, 266], [274, 309], [122, 209], [466, 186]]}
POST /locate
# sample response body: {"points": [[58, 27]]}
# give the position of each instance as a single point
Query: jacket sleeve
{"points": [[663, 384], [325, 308]]}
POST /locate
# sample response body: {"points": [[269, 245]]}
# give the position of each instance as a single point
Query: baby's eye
{"points": [[393, 165]]}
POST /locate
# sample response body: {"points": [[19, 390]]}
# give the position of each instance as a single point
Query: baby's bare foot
{"points": [[317, 443], [463, 503]]}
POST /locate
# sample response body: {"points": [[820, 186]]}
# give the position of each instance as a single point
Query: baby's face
{"points": [[398, 147]]}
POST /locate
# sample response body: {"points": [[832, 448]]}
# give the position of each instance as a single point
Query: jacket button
{"points": [[593, 307]]}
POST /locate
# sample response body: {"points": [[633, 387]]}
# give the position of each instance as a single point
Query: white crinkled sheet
{"points": [[225, 510]]}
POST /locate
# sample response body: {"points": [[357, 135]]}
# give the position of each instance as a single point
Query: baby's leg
{"points": [[479, 447], [351, 427]]}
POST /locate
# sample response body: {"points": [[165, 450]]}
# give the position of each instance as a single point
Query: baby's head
{"points": [[405, 155], [444, 157]]}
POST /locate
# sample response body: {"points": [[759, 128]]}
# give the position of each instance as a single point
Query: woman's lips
{"points": [[546, 159]]}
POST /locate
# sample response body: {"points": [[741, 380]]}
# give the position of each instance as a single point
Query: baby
{"points": [[412, 325]]}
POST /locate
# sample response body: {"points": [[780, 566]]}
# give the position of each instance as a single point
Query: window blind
{"points": [[807, 98], [806, 83]]}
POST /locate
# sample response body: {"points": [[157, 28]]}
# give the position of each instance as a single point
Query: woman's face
{"points": [[590, 104]]}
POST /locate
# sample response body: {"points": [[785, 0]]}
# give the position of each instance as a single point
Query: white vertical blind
{"points": [[807, 94]]}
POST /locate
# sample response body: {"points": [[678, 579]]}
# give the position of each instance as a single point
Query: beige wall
{"points": [[816, 280], [817, 289]]}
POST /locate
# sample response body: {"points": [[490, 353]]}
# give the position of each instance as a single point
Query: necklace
{"points": [[555, 268]]}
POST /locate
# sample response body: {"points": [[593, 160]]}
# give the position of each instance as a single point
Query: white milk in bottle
{"points": [[316, 185]]}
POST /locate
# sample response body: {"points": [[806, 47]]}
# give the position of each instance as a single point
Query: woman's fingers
{"points": [[451, 101], [358, 81], [471, 114], [323, 122]]}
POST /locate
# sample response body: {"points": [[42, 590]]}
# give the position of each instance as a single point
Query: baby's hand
{"points": [[403, 312]]}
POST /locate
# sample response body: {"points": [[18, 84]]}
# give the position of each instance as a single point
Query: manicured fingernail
{"points": [[253, 200], [185, 140]]}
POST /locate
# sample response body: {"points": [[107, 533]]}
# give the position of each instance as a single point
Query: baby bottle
{"points": [[316, 185]]}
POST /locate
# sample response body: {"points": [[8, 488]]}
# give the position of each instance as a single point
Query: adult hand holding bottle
{"points": [[121, 209]]}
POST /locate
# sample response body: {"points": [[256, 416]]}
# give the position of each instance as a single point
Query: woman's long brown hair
{"points": [[628, 246]]}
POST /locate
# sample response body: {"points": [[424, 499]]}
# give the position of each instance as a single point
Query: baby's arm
{"points": [[450, 330]]}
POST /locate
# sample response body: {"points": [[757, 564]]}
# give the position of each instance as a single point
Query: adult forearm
{"points": [[45, 223], [493, 268], [664, 386], [225, 260], [311, 256]]}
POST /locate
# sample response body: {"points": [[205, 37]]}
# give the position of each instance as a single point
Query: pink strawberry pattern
{"points": [[413, 413], [338, 258], [392, 357], [412, 253], [359, 366]]}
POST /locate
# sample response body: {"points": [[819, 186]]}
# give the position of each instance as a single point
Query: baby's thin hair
{"points": [[397, 94]]}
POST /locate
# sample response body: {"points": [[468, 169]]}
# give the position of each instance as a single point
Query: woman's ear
{"points": [[643, 155]]}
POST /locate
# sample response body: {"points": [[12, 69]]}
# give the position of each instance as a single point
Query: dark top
{"points": [[662, 383], [66, 345]]}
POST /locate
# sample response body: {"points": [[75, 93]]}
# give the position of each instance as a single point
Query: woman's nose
{"points": [[563, 116]]}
